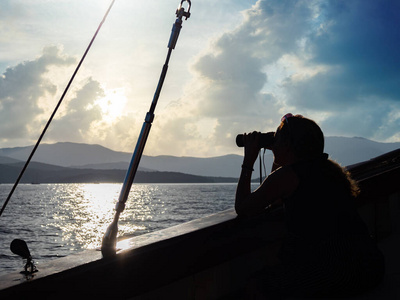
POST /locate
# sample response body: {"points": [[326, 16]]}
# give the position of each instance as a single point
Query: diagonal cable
{"points": [[54, 112]]}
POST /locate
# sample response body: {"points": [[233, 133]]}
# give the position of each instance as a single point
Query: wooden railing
{"points": [[379, 181]]}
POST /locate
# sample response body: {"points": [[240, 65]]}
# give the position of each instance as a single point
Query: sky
{"points": [[238, 66]]}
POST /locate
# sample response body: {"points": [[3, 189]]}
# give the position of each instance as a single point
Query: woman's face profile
{"points": [[278, 147]]}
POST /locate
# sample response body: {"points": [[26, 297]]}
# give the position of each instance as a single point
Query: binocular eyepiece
{"points": [[266, 140]]}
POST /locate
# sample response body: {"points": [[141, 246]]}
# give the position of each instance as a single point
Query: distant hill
{"points": [[347, 151], [8, 160], [344, 150], [67, 154], [77, 155], [45, 173]]}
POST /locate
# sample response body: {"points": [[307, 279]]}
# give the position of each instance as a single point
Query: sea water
{"points": [[60, 219]]}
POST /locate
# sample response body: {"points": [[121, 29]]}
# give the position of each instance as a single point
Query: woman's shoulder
{"points": [[283, 172], [285, 179]]}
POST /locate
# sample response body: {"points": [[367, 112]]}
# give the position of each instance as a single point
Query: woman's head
{"points": [[301, 135], [298, 138]]}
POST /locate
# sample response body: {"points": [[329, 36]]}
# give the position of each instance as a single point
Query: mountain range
{"points": [[74, 162]]}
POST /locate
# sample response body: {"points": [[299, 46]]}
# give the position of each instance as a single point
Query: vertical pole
{"points": [[108, 247]]}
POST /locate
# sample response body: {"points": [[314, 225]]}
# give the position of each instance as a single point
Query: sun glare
{"points": [[90, 206], [112, 105]]}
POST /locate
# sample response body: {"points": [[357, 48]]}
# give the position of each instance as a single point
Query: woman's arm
{"points": [[251, 150], [278, 185], [243, 190]]}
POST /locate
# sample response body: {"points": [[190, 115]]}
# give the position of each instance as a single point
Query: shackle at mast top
{"points": [[180, 12]]}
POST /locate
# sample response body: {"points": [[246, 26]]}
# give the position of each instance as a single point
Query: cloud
{"points": [[28, 95], [335, 61], [234, 65], [30, 91], [80, 114], [372, 117], [357, 42], [229, 77], [22, 88]]}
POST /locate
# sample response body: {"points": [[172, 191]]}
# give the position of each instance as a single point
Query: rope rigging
{"points": [[54, 111]]}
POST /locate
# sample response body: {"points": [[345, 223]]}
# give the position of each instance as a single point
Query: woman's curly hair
{"points": [[306, 139]]}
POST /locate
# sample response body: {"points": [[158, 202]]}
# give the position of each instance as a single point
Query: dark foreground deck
{"points": [[211, 257]]}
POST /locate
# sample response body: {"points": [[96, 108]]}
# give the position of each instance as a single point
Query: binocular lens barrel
{"points": [[266, 140]]}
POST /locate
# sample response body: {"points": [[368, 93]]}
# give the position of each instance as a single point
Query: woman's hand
{"points": [[251, 148]]}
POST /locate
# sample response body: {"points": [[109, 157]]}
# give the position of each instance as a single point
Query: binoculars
{"points": [[266, 140]]}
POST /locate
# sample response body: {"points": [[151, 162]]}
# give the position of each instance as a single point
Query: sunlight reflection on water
{"points": [[59, 219], [87, 211]]}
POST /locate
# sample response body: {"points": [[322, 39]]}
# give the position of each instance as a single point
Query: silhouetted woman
{"points": [[327, 250]]}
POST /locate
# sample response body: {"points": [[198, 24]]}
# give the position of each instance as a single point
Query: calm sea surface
{"points": [[59, 219]]}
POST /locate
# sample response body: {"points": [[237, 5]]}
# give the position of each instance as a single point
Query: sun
{"points": [[112, 104]]}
